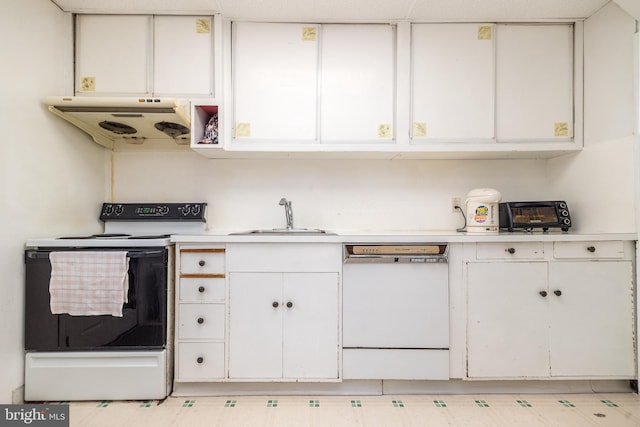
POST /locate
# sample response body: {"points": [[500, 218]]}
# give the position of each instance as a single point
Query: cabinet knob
{"points": [[201, 289], [201, 263], [558, 292], [591, 249], [543, 293], [511, 250], [289, 304], [200, 360], [200, 320], [275, 304]]}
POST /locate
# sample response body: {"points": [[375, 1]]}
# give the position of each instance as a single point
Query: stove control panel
{"points": [[153, 212]]}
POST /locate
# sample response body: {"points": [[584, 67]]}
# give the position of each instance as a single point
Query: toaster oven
{"points": [[534, 215]]}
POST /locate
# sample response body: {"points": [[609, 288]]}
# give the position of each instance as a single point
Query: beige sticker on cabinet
{"points": [[419, 129], [485, 32], [88, 84], [309, 34], [203, 26], [243, 129], [561, 129], [384, 131]]}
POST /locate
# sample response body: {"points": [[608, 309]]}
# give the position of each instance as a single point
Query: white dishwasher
{"points": [[395, 311]]}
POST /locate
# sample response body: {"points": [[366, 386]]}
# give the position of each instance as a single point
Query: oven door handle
{"points": [[131, 255]]}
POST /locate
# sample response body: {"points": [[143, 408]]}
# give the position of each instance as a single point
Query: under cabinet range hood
{"points": [[125, 119]]}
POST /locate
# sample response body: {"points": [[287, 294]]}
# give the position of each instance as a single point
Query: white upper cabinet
{"points": [[313, 83], [144, 55], [452, 72], [112, 54], [183, 55], [358, 80], [275, 81], [534, 71]]}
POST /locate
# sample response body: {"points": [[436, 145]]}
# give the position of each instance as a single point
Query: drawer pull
{"points": [[201, 289], [511, 250], [201, 263], [200, 360], [289, 304], [591, 249], [543, 293], [275, 304], [200, 320], [558, 292]]}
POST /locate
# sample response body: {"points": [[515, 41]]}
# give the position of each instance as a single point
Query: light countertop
{"points": [[397, 236]]}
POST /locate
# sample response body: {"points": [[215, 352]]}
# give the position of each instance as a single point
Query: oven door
{"points": [[143, 324]]}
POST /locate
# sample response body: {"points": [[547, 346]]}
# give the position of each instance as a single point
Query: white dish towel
{"points": [[89, 283]]}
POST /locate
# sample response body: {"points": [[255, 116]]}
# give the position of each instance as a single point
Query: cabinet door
{"points": [[113, 54], [534, 65], [310, 326], [507, 320], [255, 325], [275, 72], [591, 331], [357, 91], [183, 55], [452, 81]]}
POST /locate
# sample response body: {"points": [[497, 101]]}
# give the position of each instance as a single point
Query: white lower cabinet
{"points": [[550, 318], [283, 326]]}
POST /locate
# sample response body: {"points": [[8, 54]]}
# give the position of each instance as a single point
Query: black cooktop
{"points": [[114, 236]]}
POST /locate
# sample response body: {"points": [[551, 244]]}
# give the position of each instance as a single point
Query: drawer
{"points": [[206, 289], [510, 250], [589, 250], [201, 321], [202, 261], [200, 361]]}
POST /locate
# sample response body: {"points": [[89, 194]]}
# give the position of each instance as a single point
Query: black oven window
{"points": [[534, 215]]}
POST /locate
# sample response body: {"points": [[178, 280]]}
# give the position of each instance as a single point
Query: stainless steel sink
{"points": [[284, 232]]}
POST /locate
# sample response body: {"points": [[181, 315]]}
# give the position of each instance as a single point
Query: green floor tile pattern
{"points": [[315, 403], [104, 404], [230, 404], [146, 404], [272, 404], [524, 403], [397, 403], [188, 403], [609, 403], [567, 404], [356, 403], [482, 403], [440, 403]]}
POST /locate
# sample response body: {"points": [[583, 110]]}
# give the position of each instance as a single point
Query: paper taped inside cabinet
{"points": [[396, 250]]}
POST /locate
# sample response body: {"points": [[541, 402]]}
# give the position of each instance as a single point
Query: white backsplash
{"points": [[330, 194]]}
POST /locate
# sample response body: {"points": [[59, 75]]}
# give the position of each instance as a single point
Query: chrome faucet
{"points": [[288, 212]]}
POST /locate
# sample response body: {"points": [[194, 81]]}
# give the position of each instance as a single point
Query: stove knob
{"points": [[200, 360], [196, 209], [108, 209], [163, 210], [119, 210], [200, 320]]}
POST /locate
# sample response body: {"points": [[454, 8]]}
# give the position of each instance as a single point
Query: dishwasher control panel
{"points": [[395, 253]]}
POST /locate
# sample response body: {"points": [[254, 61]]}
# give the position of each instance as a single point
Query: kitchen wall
{"points": [[600, 182], [332, 194], [51, 179]]}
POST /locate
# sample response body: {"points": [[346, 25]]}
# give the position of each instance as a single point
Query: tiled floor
{"points": [[366, 411]]}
